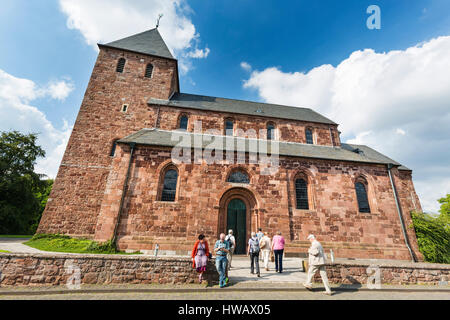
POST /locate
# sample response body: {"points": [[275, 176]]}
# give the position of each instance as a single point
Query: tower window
{"points": [[149, 70], [229, 125], [169, 185], [183, 122], [124, 108], [270, 131], [120, 65], [301, 194], [309, 136], [361, 195]]}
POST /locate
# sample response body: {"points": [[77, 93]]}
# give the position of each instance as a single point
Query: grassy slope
{"points": [[4, 251], [57, 243]]}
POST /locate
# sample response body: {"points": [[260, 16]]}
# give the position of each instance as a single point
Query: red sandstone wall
{"points": [[287, 130], [199, 208], [77, 194]]}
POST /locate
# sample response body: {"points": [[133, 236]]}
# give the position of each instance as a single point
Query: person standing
{"points": [[199, 256], [232, 241], [316, 261], [260, 234], [278, 249], [265, 245], [253, 251], [221, 249]]}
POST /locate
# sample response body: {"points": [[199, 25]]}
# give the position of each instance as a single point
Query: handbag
{"points": [[272, 257]]}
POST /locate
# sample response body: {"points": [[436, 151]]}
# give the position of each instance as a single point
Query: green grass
{"points": [[62, 243], [14, 236], [4, 251]]}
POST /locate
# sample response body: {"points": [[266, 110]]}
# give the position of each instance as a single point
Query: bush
{"points": [[433, 237]]}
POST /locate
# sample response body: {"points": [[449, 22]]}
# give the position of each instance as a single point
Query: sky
{"points": [[388, 88]]}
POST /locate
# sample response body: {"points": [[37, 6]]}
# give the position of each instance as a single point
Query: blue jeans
{"points": [[221, 266], [279, 260]]}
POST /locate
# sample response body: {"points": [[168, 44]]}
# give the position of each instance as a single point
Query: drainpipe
{"points": [[124, 191], [400, 216]]}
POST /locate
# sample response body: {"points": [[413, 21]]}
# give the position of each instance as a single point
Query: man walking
{"points": [[259, 235], [232, 242], [316, 262], [221, 248], [253, 251]]}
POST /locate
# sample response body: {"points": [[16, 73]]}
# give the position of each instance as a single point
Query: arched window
{"points": [[301, 194], [361, 195], [309, 136], [120, 65], [229, 125], [270, 131], [183, 122], [149, 70], [169, 187], [238, 176]]}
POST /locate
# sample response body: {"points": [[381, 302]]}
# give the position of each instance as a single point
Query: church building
{"points": [[148, 165]]}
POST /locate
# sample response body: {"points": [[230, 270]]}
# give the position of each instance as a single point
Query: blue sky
{"points": [[304, 53]]}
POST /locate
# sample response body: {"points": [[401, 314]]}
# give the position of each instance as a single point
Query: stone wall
{"points": [[46, 269], [390, 273]]}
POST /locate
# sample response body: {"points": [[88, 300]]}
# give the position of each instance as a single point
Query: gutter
{"points": [[124, 191], [399, 211]]}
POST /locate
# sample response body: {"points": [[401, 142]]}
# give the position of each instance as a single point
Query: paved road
{"points": [[15, 245], [240, 271], [362, 295]]}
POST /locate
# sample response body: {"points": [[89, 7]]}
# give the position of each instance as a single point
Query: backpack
{"points": [[228, 239], [254, 245]]}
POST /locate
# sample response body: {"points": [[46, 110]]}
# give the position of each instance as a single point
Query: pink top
{"points": [[278, 242]]}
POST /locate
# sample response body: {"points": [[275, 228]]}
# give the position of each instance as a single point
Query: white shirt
{"points": [[230, 238], [267, 241]]}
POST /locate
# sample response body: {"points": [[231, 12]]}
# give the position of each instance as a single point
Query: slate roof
{"points": [[158, 137], [149, 42], [192, 101]]}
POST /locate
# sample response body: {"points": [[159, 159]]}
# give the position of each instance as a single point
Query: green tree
{"points": [[19, 205], [433, 233]]}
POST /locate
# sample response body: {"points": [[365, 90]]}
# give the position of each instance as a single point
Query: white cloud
{"points": [[397, 102], [60, 90], [17, 114], [199, 53], [246, 66], [102, 21]]}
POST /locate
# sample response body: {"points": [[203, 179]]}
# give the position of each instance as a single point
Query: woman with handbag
{"points": [[265, 245], [199, 256]]}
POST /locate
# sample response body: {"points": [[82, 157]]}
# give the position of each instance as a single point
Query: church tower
{"points": [[127, 73]]}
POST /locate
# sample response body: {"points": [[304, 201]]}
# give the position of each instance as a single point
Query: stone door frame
{"points": [[251, 215]]}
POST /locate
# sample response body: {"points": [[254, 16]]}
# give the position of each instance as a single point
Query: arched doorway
{"points": [[236, 221], [243, 208]]}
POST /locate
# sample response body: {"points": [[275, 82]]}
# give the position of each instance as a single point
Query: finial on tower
{"points": [[159, 18]]}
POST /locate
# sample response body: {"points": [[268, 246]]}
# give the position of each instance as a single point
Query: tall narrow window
{"points": [[270, 131], [183, 122], [309, 136], [149, 71], [169, 185], [120, 65], [361, 195], [229, 127], [301, 194], [113, 148]]}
